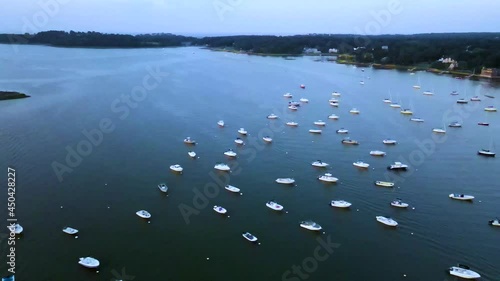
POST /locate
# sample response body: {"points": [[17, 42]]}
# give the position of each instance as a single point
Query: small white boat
{"points": [[304, 100], [248, 236], [273, 205], [335, 104], [462, 101], [288, 95], [483, 123], [163, 187], [454, 93], [406, 111], [475, 98], [399, 204], [490, 108], [333, 100], [328, 178], [143, 214], [340, 204], [362, 82], [354, 111], [220, 209], [462, 197], [464, 272], [361, 164], [285, 180], [221, 123], [349, 141], [315, 131], [486, 152], [455, 125], [272, 116], [267, 139], [428, 93], [397, 166], [336, 94], [416, 119], [292, 124], [310, 225], [294, 103], [439, 131], [386, 220], [188, 140], [395, 105], [176, 168], [89, 262], [230, 153], [384, 183], [222, 167], [495, 222], [342, 131], [292, 107], [377, 153], [232, 188], [416, 87], [192, 154], [239, 141], [389, 141], [319, 123], [242, 131], [302, 86], [16, 228], [70, 230], [387, 101], [333, 117], [320, 164]]}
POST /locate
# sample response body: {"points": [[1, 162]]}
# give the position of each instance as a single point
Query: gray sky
{"points": [[198, 17]]}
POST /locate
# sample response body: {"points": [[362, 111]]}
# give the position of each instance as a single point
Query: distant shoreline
{"points": [[11, 95]]}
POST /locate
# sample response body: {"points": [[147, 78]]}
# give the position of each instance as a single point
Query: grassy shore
{"points": [[10, 95]]}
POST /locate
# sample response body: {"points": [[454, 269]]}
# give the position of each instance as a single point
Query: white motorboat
{"points": [[416, 119], [361, 164], [386, 220], [188, 140], [328, 178], [302, 86], [222, 167], [292, 124], [143, 214], [483, 123], [342, 131], [490, 108], [387, 101], [397, 166], [292, 107], [340, 204], [428, 93], [377, 153], [242, 131], [288, 95], [320, 164], [389, 141], [439, 131], [395, 105], [285, 180], [333, 117], [273, 205], [272, 116], [315, 131], [304, 100], [232, 188], [349, 141], [462, 101], [464, 272], [336, 94], [70, 230], [221, 123], [176, 168], [310, 225], [486, 152], [406, 111], [248, 236], [333, 100], [362, 82], [220, 209], [495, 222], [239, 141], [475, 98], [267, 139], [454, 93], [384, 183], [416, 87], [163, 187], [294, 103], [455, 125], [399, 204], [354, 111], [16, 228], [463, 197], [192, 154], [319, 123], [230, 153], [89, 262], [335, 104]]}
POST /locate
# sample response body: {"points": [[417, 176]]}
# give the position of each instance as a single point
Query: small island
{"points": [[10, 95]]}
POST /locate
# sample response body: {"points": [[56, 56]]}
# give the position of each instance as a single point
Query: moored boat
{"points": [[486, 152], [248, 236], [232, 188], [70, 230], [386, 220], [340, 204], [377, 153], [89, 262], [327, 177], [310, 225], [463, 197], [397, 166], [384, 183], [274, 205], [285, 180], [463, 271], [320, 164]]}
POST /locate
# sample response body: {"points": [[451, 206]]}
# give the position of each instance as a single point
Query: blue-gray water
{"points": [[73, 90]]}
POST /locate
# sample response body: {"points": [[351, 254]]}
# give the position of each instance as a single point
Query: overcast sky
{"points": [[198, 17]]}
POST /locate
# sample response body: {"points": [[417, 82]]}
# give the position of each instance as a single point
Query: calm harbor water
{"points": [[189, 90]]}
